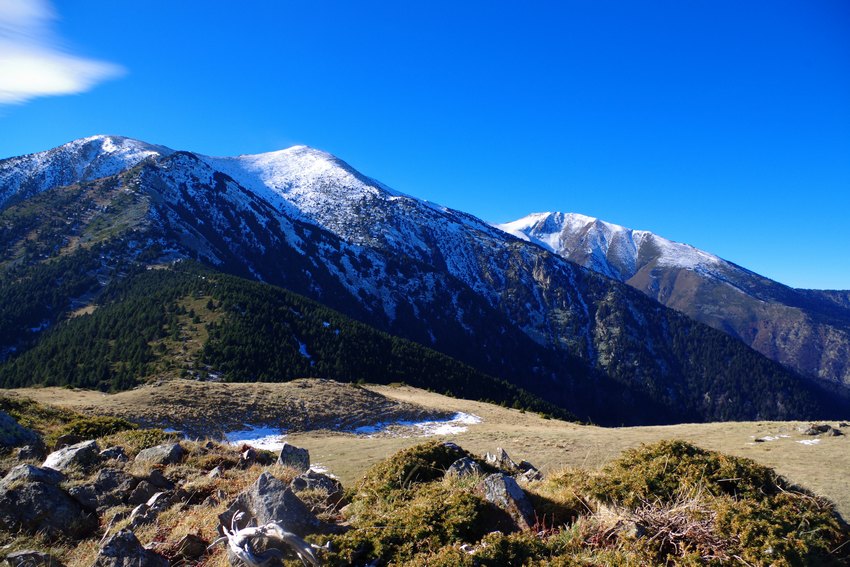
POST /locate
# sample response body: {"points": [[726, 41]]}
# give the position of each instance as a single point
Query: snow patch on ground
{"points": [[456, 424], [773, 437], [809, 441], [259, 437]]}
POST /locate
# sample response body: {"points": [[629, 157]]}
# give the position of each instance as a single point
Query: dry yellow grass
{"points": [[552, 444]]}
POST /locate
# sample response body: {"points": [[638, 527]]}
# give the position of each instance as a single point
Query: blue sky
{"points": [[722, 124]]}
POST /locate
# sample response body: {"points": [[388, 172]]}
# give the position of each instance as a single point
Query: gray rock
{"points": [[110, 487], [529, 472], [43, 507], [464, 467], [86, 495], [158, 479], [115, 453], [503, 491], [13, 434], [67, 440], [142, 493], [124, 550], [270, 500], [247, 456], [295, 457], [530, 475], [84, 455], [312, 480], [31, 558], [166, 454], [215, 473], [34, 452], [29, 473], [817, 429], [109, 480], [501, 460]]}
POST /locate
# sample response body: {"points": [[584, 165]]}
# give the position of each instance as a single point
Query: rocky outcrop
{"points": [[32, 501], [124, 550]]}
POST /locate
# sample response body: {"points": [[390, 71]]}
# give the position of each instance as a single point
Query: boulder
{"points": [[29, 473], [43, 507], [312, 480], [124, 550], [142, 493], [166, 454], [13, 434], [818, 428], [503, 491], [114, 453], [31, 558], [247, 456], [158, 479], [84, 455], [529, 472], [67, 440], [464, 467], [85, 495], [295, 457], [501, 460], [271, 500]]}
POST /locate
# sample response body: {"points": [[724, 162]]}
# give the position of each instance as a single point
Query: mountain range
{"points": [[80, 220], [806, 330]]}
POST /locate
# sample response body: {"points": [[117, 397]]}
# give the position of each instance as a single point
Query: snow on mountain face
{"points": [[81, 160], [610, 249]]}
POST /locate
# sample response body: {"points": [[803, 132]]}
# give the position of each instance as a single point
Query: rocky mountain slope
{"points": [[302, 219], [807, 330]]}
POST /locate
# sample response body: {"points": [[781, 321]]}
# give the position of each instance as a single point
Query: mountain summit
{"points": [[305, 220], [807, 330]]}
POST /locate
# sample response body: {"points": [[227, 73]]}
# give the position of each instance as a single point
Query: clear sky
{"points": [[723, 124]]}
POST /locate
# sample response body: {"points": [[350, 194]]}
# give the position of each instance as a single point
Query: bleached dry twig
{"points": [[240, 543]]}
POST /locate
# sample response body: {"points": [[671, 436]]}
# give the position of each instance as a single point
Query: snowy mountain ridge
{"points": [[607, 248]]}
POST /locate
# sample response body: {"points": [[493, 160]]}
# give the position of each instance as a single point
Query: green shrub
{"points": [[420, 463], [666, 469], [135, 440], [92, 427]]}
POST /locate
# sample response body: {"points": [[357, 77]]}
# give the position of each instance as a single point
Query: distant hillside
{"points": [[189, 321], [807, 330]]}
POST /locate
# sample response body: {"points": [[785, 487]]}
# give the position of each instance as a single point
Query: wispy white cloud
{"points": [[32, 60]]}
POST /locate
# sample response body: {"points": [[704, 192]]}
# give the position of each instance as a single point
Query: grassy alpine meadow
{"points": [[749, 493]]}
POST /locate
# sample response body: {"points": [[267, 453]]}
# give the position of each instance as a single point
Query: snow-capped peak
{"points": [[85, 159], [609, 248]]}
